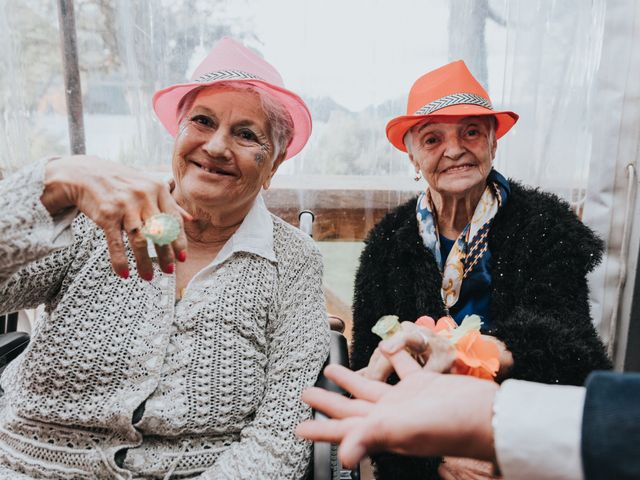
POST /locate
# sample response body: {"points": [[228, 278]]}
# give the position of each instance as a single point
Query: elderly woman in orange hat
{"points": [[473, 243], [142, 366]]}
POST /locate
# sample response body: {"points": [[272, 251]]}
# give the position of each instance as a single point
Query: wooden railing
{"points": [[345, 207]]}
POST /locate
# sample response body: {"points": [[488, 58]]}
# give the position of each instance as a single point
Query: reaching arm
{"points": [[36, 249], [424, 414], [534, 432], [611, 426]]}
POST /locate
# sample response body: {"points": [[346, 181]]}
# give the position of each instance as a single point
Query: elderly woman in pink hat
{"points": [[186, 360], [473, 243]]}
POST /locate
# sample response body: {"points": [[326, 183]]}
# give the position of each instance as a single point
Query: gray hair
{"points": [[279, 121], [408, 137]]}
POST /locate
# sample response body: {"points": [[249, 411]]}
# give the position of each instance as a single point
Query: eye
{"points": [[430, 140], [203, 120], [473, 132], [248, 135]]}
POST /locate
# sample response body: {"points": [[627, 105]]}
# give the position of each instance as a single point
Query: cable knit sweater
{"points": [[120, 382]]}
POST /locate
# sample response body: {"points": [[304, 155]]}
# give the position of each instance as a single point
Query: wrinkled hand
{"points": [[116, 198], [455, 468], [425, 414], [432, 350]]}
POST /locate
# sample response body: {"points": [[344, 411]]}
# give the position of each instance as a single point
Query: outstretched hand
{"points": [[117, 198], [425, 414]]}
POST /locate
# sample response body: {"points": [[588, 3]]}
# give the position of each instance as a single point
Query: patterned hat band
{"points": [[226, 75], [454, 99]]}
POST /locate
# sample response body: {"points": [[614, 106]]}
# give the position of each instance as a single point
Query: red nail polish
{"points": [[124, 273], [182, 255], [170, 268], [147, 276]]}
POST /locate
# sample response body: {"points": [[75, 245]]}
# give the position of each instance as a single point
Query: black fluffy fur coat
{"points": [[540, 256]]}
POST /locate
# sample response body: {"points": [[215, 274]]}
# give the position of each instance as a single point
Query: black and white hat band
{"points": [[454, 99], [226, 75]]}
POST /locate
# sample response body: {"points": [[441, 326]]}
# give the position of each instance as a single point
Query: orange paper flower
{"points": [[476, 356], [443, 324]]}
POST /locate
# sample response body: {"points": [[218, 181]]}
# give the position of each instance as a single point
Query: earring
{"points": [[418, 176]]}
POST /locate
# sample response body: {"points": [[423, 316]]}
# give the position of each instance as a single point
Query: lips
{"points": [[214, 169], [459, 168]]}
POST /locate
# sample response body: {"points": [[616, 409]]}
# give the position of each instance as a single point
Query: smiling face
{"points": [[454, 154], [223, 155]]}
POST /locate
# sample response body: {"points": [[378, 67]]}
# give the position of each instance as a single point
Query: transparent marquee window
{"points": [[353, 62]]}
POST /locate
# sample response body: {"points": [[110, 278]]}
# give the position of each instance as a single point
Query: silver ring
{"points": [[425, 338]]}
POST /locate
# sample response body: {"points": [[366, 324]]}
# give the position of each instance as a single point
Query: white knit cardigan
{"points": [[213, 383]]}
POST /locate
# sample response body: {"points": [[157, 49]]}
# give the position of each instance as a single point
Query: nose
{"points": [[453, 147], [217, 145]]}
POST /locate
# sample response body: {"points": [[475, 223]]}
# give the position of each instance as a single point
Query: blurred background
{"points": [[570, 69]]}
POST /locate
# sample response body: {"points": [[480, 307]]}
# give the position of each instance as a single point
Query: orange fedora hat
{"points": [[447, 91]]}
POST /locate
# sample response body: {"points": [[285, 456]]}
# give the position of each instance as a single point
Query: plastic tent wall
{"points": [[612, 205]]}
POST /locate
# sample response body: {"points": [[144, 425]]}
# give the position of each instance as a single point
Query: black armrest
{"points": [[11, 345], [326, 465], [338, 353]]}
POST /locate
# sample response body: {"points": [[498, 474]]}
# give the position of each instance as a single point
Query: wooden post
{"points": [[73, 88]]}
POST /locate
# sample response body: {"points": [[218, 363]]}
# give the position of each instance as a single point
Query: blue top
{"points": [[475, 293]]}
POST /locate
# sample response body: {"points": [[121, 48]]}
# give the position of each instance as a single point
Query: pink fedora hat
{"points": [[230, 61]]}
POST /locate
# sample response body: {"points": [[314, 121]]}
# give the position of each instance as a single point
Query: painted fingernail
{"points": [[170, 268], [148, 276], [182, 255], [124, 273]]}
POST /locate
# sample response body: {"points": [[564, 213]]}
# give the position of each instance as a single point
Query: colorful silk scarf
{"points": [[469, 248]]}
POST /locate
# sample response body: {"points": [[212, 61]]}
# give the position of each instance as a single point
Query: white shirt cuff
{"points": [[62, 235], [537, 431]]}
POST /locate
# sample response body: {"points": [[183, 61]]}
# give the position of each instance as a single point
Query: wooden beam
{"points": [[73, 88], [346, 215]]}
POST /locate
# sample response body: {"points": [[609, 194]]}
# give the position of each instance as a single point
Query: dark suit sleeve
{"points": [[549, 331], [372, 300], [611, 427]]}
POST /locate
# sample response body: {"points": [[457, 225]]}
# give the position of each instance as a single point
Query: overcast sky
{"points": [[359, 52]]}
